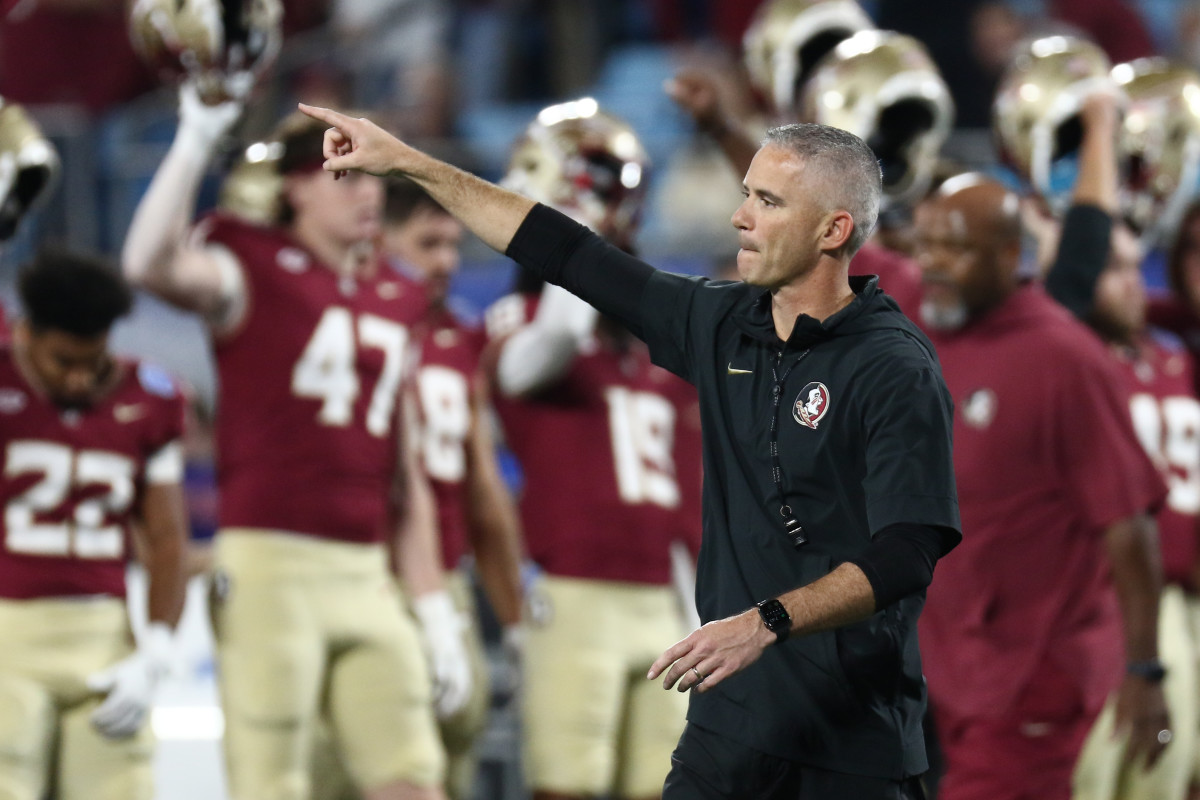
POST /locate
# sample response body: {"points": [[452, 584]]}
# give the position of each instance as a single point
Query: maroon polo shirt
{"points": [[899, 275], [1045, 458]]}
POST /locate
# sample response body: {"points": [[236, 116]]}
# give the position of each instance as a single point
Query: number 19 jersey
{"points": [[309, 381], [608, 458]]}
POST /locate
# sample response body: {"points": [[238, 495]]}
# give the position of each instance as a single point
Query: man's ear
{"points": [[839, 227]]}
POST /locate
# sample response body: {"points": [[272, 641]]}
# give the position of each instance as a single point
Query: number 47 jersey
{"points": [[309, 386], [73, 480]]}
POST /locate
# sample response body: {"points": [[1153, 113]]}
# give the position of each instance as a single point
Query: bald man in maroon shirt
{"points": [[1050, 606]]}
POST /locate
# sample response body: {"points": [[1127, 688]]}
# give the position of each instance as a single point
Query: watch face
{"points": [[774, 615]]}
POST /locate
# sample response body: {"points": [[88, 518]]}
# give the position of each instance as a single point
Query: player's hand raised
{"points": [[356, 143], [696, 93], [205, 123]]}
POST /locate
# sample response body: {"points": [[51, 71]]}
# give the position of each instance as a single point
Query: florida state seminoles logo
{"points": [[811, 405]]}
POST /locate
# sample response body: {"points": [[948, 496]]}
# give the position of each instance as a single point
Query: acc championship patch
{"points": [[811, 405], [156, 380]]}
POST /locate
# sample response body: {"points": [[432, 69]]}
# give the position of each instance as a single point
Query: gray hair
{"points": [[847, 169]]}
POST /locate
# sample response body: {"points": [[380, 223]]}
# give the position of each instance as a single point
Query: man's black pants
{"points": [[707, 766]]}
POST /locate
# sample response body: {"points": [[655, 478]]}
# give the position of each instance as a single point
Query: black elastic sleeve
{"points": [[568, 254], [1082, 255], [900, 559]]}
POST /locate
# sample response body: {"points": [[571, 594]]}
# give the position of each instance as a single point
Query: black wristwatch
{"points": [[1151, 670], [776, 618]]}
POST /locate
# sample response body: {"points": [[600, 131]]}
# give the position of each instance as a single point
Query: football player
{"points": [[820, 61], [1166, 416], [598, 430], [92, 459], [1097, 272], [477, 518], [318, 480]]}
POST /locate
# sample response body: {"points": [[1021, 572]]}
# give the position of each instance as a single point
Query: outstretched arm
{"points": [[491, 213], [562, 251]]}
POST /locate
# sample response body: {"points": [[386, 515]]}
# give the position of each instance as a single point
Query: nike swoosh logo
{"points": [[735, 371], [128, 412]]}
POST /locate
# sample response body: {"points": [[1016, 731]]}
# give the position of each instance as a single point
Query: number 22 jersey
{"points": [[73, 479], [309, 381]]}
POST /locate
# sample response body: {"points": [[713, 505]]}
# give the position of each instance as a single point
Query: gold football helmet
{"points": [[29, 166], [210, 39], [787, 38], [586, 163], [253, 188], [1036, 111], [884, 88], [1159, 142]]}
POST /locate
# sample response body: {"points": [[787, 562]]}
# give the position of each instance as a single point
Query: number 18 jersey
{"points": [[307, 404]]}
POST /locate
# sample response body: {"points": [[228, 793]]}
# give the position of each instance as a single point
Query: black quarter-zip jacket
{"points": [[864, 442]]}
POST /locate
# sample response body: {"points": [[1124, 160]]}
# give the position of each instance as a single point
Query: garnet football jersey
{"points": [[603, 495], [1045, 458], [447, 373], [73, 480], [1166, 417], [307, 404], [1172, 314]]}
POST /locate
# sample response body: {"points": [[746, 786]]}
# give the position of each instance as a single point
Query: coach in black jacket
{"points": [[829, 489]]}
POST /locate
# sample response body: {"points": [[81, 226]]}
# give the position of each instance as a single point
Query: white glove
{"points": [[512, 643], [443, 628], [131, 684], [202, 125]]}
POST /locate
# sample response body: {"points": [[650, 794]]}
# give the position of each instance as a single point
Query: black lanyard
{"points": [[791, 525]]}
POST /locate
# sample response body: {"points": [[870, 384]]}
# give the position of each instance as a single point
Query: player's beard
{"points": [[942, 317]]}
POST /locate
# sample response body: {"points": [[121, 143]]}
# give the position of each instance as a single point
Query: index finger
{"points": [[324, 114]]}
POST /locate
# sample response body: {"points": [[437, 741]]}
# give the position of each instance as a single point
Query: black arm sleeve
{"points": [[1082, 255], [900, 559], [568, 254]]}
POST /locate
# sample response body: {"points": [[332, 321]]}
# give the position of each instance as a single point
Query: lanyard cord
{"points": [[791, 526]]}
